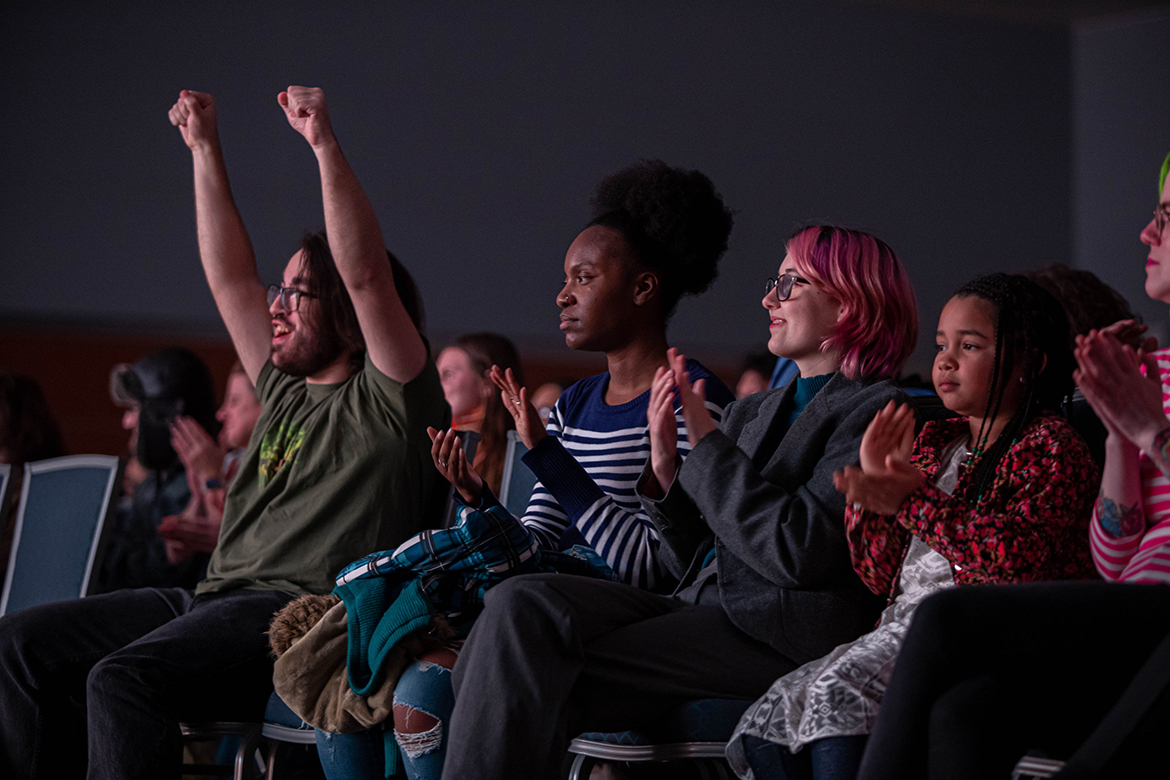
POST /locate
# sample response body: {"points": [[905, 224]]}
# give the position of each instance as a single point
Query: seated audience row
{"points": [[727, 547]]}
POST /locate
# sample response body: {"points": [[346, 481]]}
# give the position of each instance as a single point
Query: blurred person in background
{"points": [[210, 465], [475, 402], [28, 433], [158, 390], [756, 374], [545, 397], [1089, 304]]}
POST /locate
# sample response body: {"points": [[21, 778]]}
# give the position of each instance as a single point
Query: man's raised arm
{"points": [[224, 246], [355, 239]]}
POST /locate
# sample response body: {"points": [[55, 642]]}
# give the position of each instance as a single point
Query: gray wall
{"points": [[479, 135], [1121, 135]]}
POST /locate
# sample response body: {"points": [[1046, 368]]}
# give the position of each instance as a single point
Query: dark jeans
{"points": [[553, 655], [108, 678], [990, 673], [832, 758]]}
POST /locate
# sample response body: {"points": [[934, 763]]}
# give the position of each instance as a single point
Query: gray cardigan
{"points": [[784, 572]]}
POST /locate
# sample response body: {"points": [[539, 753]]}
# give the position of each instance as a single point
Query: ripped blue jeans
{"points": [[423, 702]]}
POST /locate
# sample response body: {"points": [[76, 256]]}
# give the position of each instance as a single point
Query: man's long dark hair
{"points": [[339, 322]]}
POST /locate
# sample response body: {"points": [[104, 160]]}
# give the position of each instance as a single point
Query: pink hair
{"points": [[879, 328]]}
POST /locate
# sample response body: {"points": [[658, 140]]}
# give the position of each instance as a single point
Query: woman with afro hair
{"points": [[657, 234]]}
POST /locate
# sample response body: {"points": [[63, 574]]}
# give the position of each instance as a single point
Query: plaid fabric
{"points": [[458, 565]]}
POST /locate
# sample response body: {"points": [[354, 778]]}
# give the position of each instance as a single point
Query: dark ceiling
{"points": [[1047, 12]]}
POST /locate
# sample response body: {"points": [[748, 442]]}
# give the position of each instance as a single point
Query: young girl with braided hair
{"points": [[1088, 659], [999, 494]]}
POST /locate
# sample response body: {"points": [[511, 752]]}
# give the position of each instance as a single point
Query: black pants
{"points": [[990, 673], [554, 655], [106, 680]]}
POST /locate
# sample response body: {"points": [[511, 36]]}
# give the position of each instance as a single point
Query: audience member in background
{"points": [[475, 403], [1090, 304], [28, 432], [339, 465], [657, 234], [155, 391], [987, 674], [749, 522], [756, 374], [545, 397], [1001, 494], [210, 465]]}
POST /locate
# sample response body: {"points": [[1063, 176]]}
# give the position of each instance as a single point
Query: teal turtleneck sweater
{"points": [[805, 390]]}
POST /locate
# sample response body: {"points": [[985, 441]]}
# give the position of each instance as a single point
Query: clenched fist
{"points": [[306, 111], [194, 115]]}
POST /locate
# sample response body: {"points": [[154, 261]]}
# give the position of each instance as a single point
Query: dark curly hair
{"points": [[674, 220], [1030, 326], [1088, 301]]}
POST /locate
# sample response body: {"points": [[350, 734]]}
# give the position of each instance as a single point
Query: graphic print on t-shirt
{"points": [[279, 448]]}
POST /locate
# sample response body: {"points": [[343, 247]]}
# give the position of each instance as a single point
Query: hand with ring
{"points": [[528, 423], [451, 460]]}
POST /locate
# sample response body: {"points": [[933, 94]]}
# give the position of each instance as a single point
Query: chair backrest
{"points": [[518, 480], [5, 490], [60, 526]]}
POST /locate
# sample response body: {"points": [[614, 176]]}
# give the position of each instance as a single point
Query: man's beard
{"points": [[311, 352]]}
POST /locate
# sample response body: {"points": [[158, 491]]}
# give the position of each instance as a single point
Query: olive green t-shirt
{"points": [[332, 473]]}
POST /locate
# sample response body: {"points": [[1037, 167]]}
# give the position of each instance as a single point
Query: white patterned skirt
{"points": [[839, 695]]}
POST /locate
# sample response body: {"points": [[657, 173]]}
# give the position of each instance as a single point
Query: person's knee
{"points": [[517, 596], [118, 676], [22, 636], [423, 701], [416, 731]]}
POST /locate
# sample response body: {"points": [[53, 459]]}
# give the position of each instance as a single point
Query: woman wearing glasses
{"points": [[750, 523]]}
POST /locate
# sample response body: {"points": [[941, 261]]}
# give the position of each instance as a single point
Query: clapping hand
{"points": [[451, 460], [195, 529], [529, 426], [886, 476], [663, 433], [198, 452], [1109, 374], [693, 398]]}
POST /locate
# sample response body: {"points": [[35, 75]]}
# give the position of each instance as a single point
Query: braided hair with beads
{"points": [[1031, 330]]}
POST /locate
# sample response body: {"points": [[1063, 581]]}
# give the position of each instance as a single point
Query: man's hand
{"points": [[194, 115], [451, 460], [529, 426], [889, 433], [694, 399], [663, 433], [307, 113]]}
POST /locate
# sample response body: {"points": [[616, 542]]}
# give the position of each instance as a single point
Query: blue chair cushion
{"points": [[279, 713], [701, 720]]}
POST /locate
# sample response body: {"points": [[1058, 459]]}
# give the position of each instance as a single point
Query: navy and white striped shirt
{"points": [[588, 467]]}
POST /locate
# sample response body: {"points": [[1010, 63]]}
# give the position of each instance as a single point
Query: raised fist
{"points": [[194, 115], [306, 111]]}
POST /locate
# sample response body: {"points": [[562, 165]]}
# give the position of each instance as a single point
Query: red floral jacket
{"points": [[1031, 524]]}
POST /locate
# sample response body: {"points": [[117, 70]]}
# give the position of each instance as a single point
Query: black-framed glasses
{"points": [[1161, 217], [290, 297], [783, 285]]}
